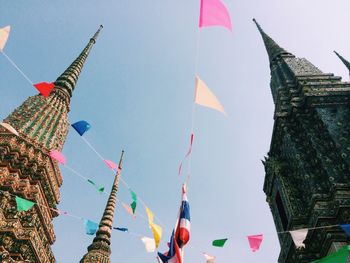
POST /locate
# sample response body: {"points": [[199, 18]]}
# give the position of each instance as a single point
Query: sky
{"points": [[136, 90]]}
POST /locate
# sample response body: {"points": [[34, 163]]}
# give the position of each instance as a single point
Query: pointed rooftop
{"points": [[65, 84], [100, 250], [346, 63], [272, 48]]}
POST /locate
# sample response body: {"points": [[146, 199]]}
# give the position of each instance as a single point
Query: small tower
{"points": [[307, 168], [100, 249], [26, 169]]}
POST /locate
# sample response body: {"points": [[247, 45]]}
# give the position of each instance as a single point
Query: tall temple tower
{"points": [[100, 249], [26, 169], [307, 181]]}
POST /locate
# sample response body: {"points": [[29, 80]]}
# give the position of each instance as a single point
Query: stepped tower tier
{"points": [[26, 169], [307, 168]]}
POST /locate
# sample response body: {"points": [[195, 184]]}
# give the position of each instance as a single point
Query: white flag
{"points": [[298, 237], [210, 259], [4, 35], [203, 96], [9, 128], [150, 244]]}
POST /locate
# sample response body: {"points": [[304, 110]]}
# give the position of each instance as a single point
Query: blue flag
{"points": [[81, 127], [123, 229], [90, 227]]}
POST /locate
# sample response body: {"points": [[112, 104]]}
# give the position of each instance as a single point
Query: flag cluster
{"points": [[180, 235]]}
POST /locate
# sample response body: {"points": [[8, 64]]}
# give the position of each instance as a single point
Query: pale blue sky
{"points": [[136, 90]]}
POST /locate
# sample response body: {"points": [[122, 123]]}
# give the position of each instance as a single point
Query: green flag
{"points": [[133, 206], [91, 182], [337, 257], [133, 196], [101, 189], [23, 204], [219, 242]]}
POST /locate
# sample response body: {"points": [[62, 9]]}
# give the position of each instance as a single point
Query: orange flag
{"points": [[4, 35], [128, 209], [204, 96]]}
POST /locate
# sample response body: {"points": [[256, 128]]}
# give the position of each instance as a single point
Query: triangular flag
{"points": [[255, 242], [149, 215], [99, 188], [298, 237], [337, 257], [128, 209], [219, 242], [133, 206], [9, 128], [209, 258], [214, 13], [23, 204], [111, 164], [45, 88], [91, 182], [204, 97], [81, 127], [90, 227], [122, 229], [150, 244], [4, 35], [157, 233], [133, 195], [59, 157], [346, 228]]}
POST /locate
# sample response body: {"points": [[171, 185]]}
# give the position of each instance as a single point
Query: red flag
{"points": [[187, 154], [44, 88]]}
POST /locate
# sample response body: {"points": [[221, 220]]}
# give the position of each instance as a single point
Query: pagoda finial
{"points": [[273, 49], [100, 249], [65, 84], [346, 63]]}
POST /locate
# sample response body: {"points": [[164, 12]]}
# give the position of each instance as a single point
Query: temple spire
{"points": [[65, 84], [346, 63], [99, 250], [273, 49]]}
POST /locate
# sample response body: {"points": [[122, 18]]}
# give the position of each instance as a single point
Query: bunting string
{"points": [[16, 67], [121, 179]]}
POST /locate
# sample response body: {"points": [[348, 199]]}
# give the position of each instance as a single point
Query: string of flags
{"points": [[181, 232], [212, 13]]}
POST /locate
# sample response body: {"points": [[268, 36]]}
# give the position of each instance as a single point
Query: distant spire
{"points": [[272, 48], [65, 84], [100, 249], [346, 63]]}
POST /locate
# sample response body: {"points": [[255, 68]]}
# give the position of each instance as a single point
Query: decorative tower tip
{"points": [[272, 48], [346, 62]]}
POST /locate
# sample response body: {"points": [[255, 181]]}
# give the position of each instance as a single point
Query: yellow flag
{"points": [[204, 96], [157, 233], [150, 215], [4, 34]]}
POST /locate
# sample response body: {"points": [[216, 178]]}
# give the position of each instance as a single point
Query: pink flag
{"points": [[128, 209], [111, 164], [214, 13], [45, 88], [255, 242], [59, 157]]}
